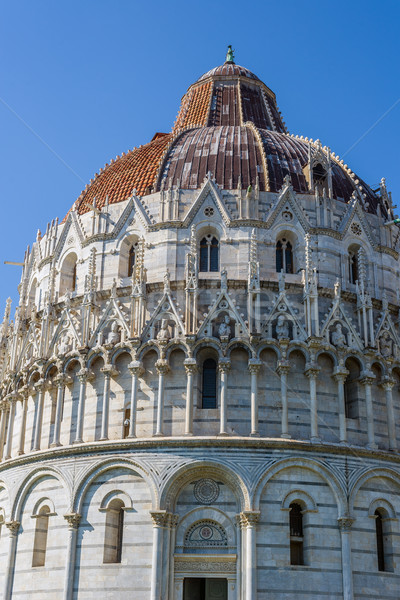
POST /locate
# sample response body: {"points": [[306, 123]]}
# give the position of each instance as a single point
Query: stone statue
{"points": [[282, 328], [163, 334], [338, 337], [386, 345], [224, 329], [114, 335], [64, 344]]}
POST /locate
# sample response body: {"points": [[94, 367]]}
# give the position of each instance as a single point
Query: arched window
{"points": [[284, 256], [352, 389], [131, 260], [68, 274], [353, 266], [209, 384], [209, 254], [296, 534], [113, 532], [380, 548], [40, 541]]}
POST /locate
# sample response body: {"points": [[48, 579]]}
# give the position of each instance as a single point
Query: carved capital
{"points": [[345, 523], [388, 383], [13, 527], [283, 367], [340, 375], [162, 366], [367, 378], [109, 371], [190, 366], [136, 368], [224, 365], [159, 517], [312, 371], [73, 520], [249, 518], [254, 365], [83, 375]]}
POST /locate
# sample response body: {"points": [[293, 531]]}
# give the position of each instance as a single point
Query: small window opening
{"points": [[209, 387], [284, 256], [296, 534], [353, 267], [380, 546], [209, 254], [114, 532], [40, 541], [131, 260], [74, 279]]}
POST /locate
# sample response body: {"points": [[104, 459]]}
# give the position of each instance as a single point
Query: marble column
{"points": [[223, 366], [40, 387], [83, 376], [312, 373], [107, 371], [191, 369], [254, 368], [340, 376], [13, 528], [162, 369], [240, 587], [136, 370], [250, 520], [173, 522], [345, 524], [73, 520], [367, 381], [159, 518], [283, 369], [10, 428], [4, 411], [391, 419], [24, 394], [60, 383]]}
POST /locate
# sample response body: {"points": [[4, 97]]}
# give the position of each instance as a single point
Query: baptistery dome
{"points": [[200, 389]]}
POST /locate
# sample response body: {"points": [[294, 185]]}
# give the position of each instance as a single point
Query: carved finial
{"points": [[230, 56]]}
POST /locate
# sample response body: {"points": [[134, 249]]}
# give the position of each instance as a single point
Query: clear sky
{"points": [[84, 80]]}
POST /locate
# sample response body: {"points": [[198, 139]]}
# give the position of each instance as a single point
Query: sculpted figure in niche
{"points": [[114, 335], [163, 334], [282, 328], [64, 344], [386, 345], [338, 337], [224, 329]]}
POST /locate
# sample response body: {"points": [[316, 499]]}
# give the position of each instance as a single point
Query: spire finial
{"points": [[229, 55]]}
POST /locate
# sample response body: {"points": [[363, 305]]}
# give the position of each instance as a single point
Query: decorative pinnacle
{"points": [[229, 55]]}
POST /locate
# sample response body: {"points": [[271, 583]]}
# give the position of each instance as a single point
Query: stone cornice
{"points": [[188, 443]]}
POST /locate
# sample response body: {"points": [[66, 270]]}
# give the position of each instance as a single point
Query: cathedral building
{"points": [[200, 389]]}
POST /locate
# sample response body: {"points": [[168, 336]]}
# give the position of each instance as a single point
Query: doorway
{"points": [[203, 588]]}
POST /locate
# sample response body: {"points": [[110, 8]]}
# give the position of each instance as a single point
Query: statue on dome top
{"points": [[230, 56]]}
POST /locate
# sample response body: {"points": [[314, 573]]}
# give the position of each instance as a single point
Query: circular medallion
{"points": [[206, 533], [208, 211], [206, 491]]}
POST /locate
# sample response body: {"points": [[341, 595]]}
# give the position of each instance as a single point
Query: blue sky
{"points": [[94, 78]]}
